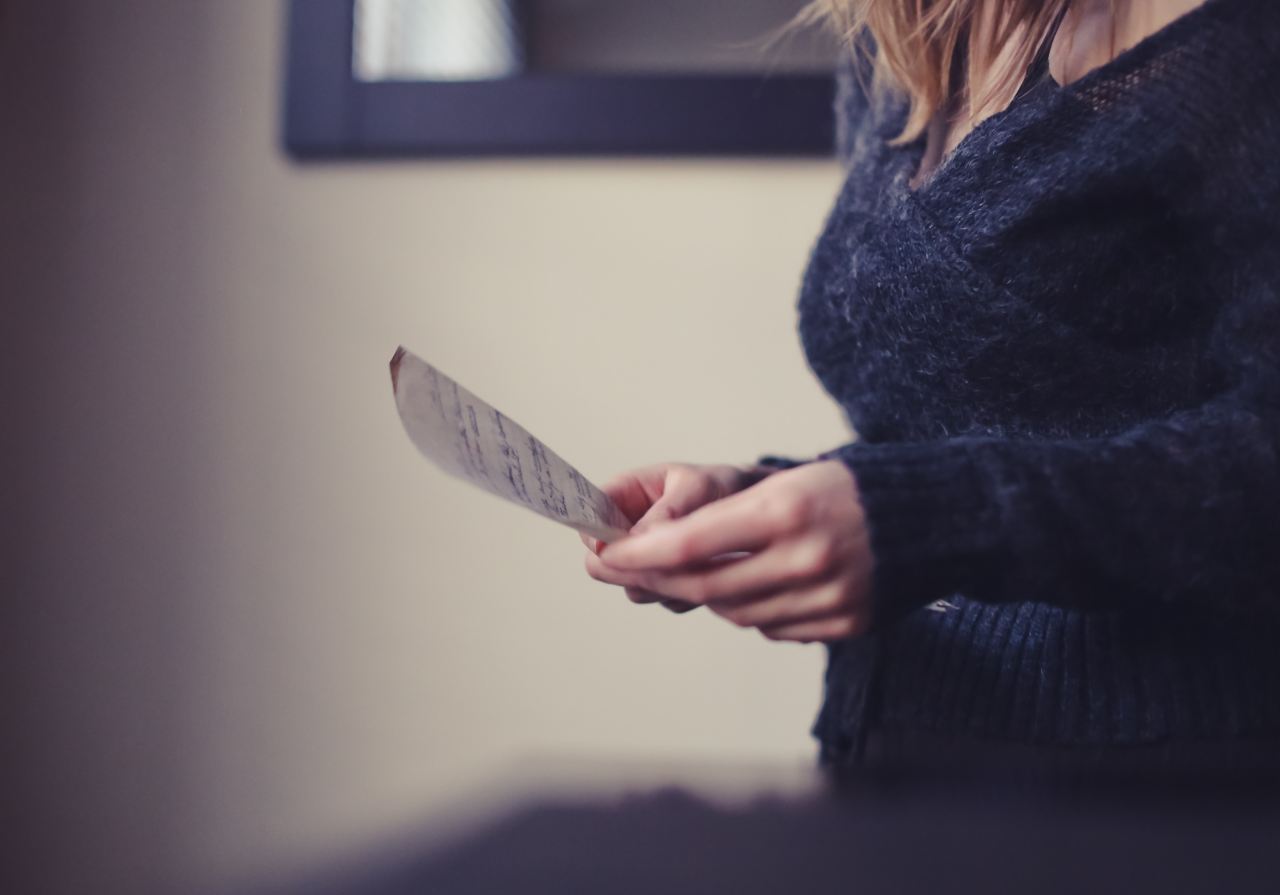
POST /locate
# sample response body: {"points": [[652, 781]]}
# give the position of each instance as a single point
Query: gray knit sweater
{"points": [[1061, 357]]}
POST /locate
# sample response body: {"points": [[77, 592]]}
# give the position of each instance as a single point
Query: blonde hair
{"points": [[918, 42]]}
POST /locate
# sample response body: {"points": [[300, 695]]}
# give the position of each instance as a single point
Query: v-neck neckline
{"points": [[1046, 95], [1037, 77], [913, 152]]}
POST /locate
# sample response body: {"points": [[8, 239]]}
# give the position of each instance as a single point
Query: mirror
{"points": [[469, 77], [473, 39]]}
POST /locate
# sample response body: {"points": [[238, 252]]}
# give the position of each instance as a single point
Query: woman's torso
{"points": [[945, 311]]}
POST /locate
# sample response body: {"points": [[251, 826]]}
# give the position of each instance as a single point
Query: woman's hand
{"points": [[665, 491], [807, 572]]}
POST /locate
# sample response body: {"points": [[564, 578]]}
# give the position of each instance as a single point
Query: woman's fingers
{"points": [[836, 627], [685, 489], [787, 611], [642, 596], [784, 566], [791, 607], [651, 580], [655, 494], [664, 491], [741, 522], [788, 555], [634, 492], [637, 595]]}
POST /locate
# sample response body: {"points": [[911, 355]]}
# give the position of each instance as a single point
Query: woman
{"points": [[1048, 299]]}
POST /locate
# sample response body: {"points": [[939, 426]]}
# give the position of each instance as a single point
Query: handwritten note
{"points": [[473, 441]]}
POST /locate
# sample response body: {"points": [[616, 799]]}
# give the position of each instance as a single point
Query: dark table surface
{"points": [[902, 831]]}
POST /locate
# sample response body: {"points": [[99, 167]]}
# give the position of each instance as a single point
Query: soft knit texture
{"points": [[1061, 357]]}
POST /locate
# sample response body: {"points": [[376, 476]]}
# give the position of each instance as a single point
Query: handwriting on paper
{"points": [[474, 441]]}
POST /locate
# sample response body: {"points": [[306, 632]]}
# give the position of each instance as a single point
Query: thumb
{"points": [[662, 511], [683, 492]]}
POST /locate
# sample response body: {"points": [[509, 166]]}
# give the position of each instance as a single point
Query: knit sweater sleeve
{"points": [[1184, 508]]}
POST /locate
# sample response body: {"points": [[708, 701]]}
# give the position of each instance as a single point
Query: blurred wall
{"points": [[249, 625]]}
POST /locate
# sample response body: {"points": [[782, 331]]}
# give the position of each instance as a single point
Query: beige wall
{"points": [[251, 625]]}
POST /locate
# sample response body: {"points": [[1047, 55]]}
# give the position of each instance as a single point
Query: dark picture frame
{"points": [[329, 113]]}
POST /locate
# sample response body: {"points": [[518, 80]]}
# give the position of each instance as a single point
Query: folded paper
{"points": [[474, 441]]}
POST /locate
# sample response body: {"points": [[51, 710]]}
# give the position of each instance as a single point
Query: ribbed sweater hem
{"points": [[1040, 674]]}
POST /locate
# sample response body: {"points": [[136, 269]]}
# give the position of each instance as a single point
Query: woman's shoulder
{"points": [[1200, 59], [1208, 77]]}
